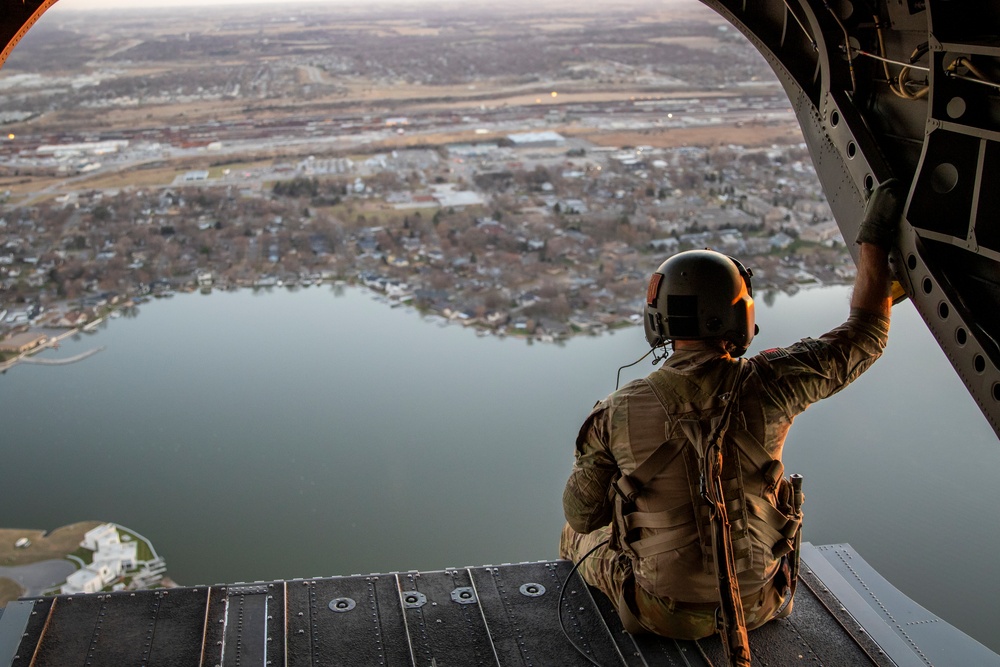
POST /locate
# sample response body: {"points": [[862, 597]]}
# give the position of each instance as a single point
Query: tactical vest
{"points": [[671, 545]]}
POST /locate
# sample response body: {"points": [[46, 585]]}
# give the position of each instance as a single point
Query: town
{"points": [[526, 191]]}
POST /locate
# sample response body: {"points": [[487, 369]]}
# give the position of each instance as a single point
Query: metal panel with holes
{"points": [[506, 615]]}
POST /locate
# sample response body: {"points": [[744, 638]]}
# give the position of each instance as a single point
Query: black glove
{"points": [[882, 214]]}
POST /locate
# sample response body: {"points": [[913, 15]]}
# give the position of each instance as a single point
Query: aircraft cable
{"points": [[847, 45], [656, 360], [962, 77], [812, 40], [562, 596], [903, 78], [904, 74], [899, 89], [891, 61], [978, 76]]}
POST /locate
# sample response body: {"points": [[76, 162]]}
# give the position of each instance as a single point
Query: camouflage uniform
{"points": [[625, 427]]}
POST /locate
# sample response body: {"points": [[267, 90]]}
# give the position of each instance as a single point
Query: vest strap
{"points": [[763, 510], [671, 518], [663, 542], [771, 469], [629, 486]]}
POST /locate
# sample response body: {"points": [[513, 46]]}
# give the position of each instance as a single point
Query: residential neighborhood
{"points": [[527, 196]]}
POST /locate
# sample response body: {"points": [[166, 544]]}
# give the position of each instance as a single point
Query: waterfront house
{"points": [[90, 579], [23, 342], [105, 534]]}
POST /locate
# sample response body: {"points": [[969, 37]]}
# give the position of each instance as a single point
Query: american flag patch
{"points": [[774, 354]]}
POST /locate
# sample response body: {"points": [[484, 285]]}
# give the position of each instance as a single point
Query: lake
{"points": [[316, 432]]}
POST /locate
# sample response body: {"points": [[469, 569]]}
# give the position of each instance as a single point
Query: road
{"points": [[37, 577]]}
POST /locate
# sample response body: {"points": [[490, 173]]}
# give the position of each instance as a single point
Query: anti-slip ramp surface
{"points": [[845, 614]]}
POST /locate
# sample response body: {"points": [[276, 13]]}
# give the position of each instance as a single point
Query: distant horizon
{"points": [[86, 5], [163, 4]]}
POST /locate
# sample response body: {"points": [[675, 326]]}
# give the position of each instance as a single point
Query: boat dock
{"points": [[845, 614]]}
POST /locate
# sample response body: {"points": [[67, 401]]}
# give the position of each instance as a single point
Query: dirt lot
{"points": [[133, 177], [748, 135], [9, 590], [57, 544]]}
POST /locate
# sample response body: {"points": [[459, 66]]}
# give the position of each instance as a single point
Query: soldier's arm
{"points": [[871, 288], [812, 369], [586, 501], [876, 235]]}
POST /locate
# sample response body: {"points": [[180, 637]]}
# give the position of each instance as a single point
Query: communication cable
{"points": [[562, 596], [656, 360]]}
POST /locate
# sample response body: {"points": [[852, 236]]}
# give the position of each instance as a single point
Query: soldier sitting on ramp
{"points": [[681, 471]]}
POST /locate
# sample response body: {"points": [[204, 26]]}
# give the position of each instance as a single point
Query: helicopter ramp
{"points": [[845, 614]]}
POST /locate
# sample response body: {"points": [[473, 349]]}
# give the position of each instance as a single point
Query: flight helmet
{"points": [[698, 295]]}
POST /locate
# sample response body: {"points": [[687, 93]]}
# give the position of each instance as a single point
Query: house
{"points": [[665, 245], [22, 342], [824, 232], [119, 557], [780, 241], [111, 559], [104, 534], [90, 579]]}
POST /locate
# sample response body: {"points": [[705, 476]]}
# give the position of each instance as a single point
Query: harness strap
{"points": [[785, 525], [670, 518], [779, 530], [770, 468], [662, 542], [628, 486]]}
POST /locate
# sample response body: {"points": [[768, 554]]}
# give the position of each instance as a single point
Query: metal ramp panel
{"points": [[495, 615]]}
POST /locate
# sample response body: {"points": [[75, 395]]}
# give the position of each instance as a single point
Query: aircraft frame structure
{"points": [[907, 89]]}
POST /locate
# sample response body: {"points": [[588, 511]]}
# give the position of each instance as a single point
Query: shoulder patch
{"points": [[774, 353]]}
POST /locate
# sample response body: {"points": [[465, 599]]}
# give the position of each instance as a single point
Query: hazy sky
{"points": [[120, 4]]}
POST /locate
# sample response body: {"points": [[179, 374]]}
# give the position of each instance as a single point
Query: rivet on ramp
{"points": [[532, 590], [464, 595], [341, 605], [413, 599]]}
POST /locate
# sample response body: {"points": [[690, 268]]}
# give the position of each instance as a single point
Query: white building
{"points": [[536, 139], [90, 579], [446, 196], [104, 534], [665, 245], [119, 557], [91, 147]]}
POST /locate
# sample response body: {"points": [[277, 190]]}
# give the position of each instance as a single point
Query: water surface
{"points": [[280, 434]]}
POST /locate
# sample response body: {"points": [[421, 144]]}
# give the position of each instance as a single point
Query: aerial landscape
{"points": [[327, 288], [517, 190]]}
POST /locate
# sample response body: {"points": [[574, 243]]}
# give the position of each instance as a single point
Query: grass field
{"points": [[9, 590]]}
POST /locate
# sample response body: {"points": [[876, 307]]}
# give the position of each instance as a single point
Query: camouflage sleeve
{"points": [[795, 377], [586, 501]]}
